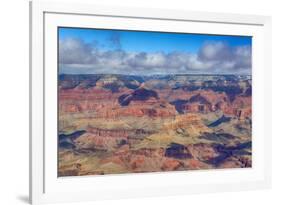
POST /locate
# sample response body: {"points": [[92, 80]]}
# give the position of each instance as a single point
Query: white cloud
{"points": [[76, 56]]}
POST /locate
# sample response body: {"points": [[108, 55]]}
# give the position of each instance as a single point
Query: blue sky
{"points": [[149, 41], [139, 52]]}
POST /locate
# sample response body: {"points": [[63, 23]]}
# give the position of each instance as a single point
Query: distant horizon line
{"points": [[150, 75]]}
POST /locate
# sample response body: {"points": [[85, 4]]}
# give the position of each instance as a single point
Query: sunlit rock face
{"points": [[110, 124]]}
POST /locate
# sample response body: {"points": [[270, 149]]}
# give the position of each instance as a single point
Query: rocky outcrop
{"points": [[137, 111], [100, 140], [190, 122], [140, 94], [202, 152], [171, 165]]}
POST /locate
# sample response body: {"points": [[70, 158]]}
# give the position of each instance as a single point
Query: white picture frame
{"points": [[46, 187]]}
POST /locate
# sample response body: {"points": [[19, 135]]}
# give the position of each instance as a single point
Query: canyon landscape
{"points": [[111, 124], [147, 101]]}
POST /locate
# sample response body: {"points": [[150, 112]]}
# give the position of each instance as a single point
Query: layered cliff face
{"points": [[121, 124]]}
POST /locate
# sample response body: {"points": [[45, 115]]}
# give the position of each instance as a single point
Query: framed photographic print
{"points": [[128, 102]]}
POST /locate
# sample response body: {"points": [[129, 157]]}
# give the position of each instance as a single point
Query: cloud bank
{"points": [[79, 57]]}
